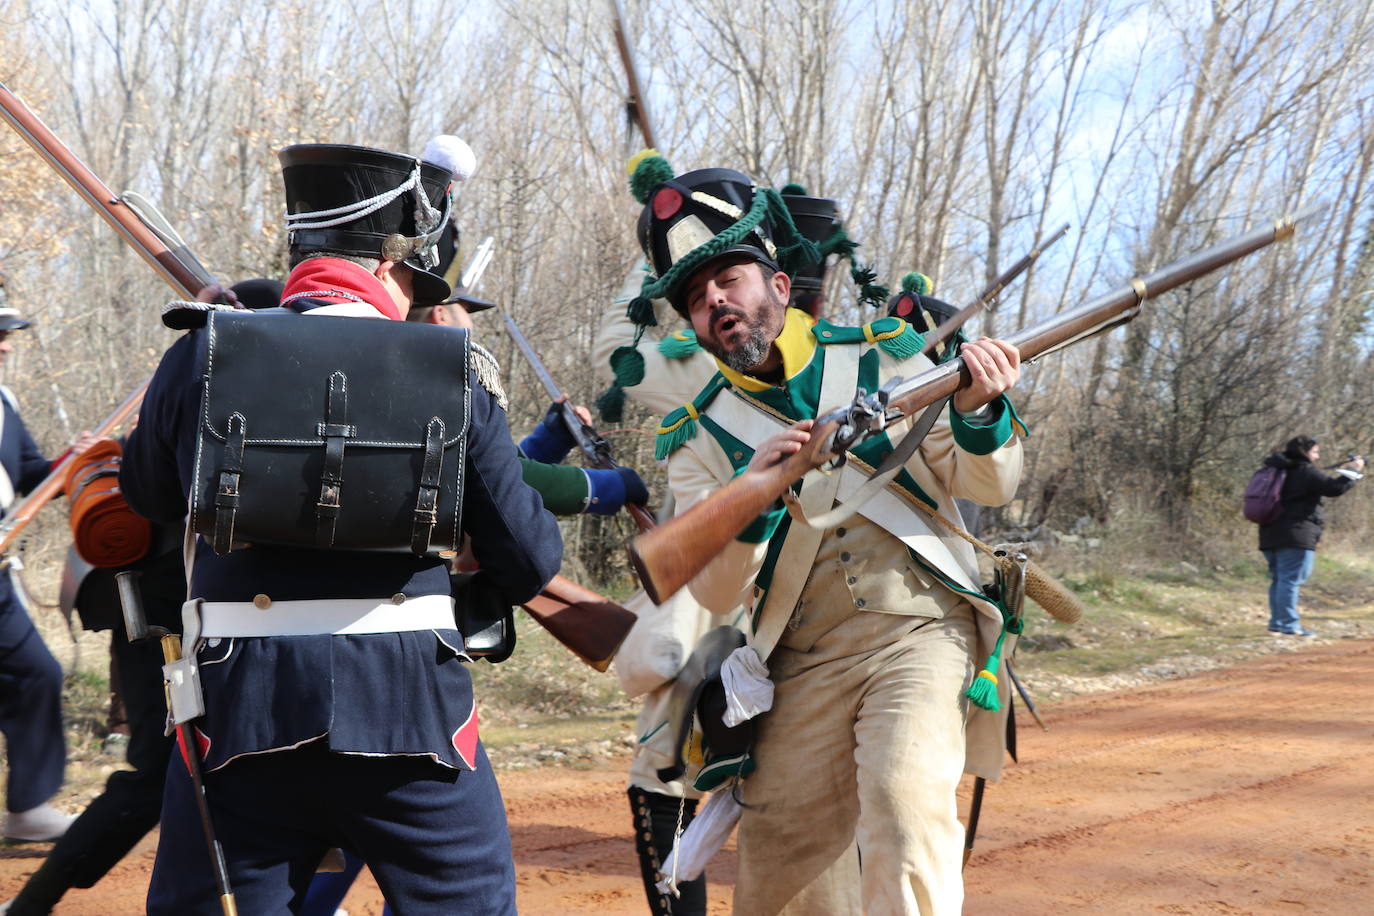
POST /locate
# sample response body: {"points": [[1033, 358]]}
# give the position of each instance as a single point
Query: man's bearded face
{"points": [[736, 312]]}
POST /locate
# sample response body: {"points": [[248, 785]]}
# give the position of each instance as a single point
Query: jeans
{"points": [[1288, 570]]}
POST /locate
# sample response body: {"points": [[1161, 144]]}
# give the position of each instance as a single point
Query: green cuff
{"points": [[763, 527], [562, 487], [986, 434]]}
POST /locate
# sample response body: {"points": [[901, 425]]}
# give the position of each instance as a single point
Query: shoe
{"points": [[37, 825], [1298, 632]]}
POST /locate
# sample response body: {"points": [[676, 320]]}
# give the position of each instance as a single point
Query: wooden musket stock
{"points": [[668, 557], [583, 621], [636, 104]]}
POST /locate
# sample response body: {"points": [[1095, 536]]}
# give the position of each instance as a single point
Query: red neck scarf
{"points": [[336, 281]]}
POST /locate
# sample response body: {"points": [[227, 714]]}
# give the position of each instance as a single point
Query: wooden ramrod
{"points": [[668, 557]]}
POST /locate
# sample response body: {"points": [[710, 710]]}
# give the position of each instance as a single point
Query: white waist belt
{"points": [[322, 616]]}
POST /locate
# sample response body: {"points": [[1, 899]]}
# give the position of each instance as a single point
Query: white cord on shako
{"points": [[425, 214]]}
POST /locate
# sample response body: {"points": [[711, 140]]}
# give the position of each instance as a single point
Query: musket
{"points": [[187, 277], [668, 557], [990, 293], [587, 624], [583, 621], [178, 267], [594, 446], [144, 229], [636, 104]]}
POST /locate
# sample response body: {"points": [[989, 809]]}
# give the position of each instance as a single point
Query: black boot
{"points": [[655, 822]]}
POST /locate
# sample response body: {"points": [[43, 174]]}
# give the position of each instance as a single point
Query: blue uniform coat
{"points": [[389, 694]]}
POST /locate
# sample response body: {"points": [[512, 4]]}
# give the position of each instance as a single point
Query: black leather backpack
{"points": [[331, 432]]}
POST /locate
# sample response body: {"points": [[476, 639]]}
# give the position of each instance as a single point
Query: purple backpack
{"points": [[1262, 503]]}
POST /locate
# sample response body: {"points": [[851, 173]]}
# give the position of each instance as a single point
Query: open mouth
{"points": [[725, 324]]}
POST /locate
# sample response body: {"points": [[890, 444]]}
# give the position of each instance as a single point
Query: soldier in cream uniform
{"points": [[879, 630]]}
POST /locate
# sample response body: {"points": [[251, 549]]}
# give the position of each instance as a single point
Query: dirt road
{"points": [[1243, 790]]}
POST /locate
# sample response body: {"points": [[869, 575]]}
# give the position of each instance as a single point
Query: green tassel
{"points": [[641, 312], [679, 345], [647, 172], [904, 346], [610, 404], [917, 283], [983, 691], [870, 293], [678, 428], [627, 364], [792, 189], [800, 251], [839, 243]]}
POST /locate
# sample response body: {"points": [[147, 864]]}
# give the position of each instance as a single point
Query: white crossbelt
{"points": [[324, 616]]}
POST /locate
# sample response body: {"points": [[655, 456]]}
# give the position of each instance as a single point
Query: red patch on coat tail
{"points": [[465, 739], [202, 745]]}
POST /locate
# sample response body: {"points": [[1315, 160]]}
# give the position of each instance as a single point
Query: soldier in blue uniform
{"points": [[30, 678], [367, 742]]}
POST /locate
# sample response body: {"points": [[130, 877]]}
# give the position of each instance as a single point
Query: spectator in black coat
{"points": [[1289, 542]]}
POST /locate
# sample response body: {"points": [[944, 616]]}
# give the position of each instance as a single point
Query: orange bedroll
{"points": [[105, 531]]}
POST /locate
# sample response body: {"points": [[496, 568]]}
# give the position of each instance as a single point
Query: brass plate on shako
{"points": [[396, 247]]}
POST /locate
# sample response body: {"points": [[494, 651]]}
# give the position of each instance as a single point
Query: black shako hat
{"points": [[692, 211], [450, 267], [368, 203], [818, 219], [914, 305]]}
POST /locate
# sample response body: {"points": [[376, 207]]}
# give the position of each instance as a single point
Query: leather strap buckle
{"points": [[427, 499], [334, 430], [227, 492]]}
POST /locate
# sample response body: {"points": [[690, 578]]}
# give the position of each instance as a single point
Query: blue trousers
{"points": [[1288, 570], [30, 707], [435, 839]]}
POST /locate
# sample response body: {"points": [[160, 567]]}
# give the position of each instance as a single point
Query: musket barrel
{"points": [[96, 193]]}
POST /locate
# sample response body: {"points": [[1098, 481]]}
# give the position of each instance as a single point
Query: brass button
{"points": [[262, 602], [852, 579], [860, 603], [398, 598], [739, 456], [826, 334]]}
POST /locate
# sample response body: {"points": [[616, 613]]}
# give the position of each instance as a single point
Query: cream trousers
{"points": [[864, 746]]}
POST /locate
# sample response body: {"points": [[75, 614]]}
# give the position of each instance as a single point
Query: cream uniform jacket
{"points": [[957, 459]]}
